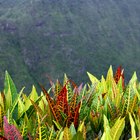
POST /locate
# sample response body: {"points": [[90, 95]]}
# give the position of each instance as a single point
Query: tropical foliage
{"points": [[106, 109]]}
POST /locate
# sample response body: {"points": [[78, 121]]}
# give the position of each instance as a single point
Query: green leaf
{"points": [[106, 134], [117, 129], [43, 103], [61, 136], [14, 107], [133, 131], [72, 129], [9, 86], [81, 126], [68, 87], [21, 107], [109, 76], [23, 129], [93, 79], [51, 137], [15, 101], [31, 109], [8, 97], [33, 95], [133, 79], [41, 130], [78, 136], [57, 125], [103, 85], [67, 134]]}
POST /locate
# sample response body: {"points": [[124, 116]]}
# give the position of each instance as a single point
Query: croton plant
{"points": [[106, 109]]}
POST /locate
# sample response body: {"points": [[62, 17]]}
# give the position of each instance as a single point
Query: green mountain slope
{"points": [[40, 38]]}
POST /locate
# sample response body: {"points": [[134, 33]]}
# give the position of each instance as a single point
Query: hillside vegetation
{"points": [[40, 38]]}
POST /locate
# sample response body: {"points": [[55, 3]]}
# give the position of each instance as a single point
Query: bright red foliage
{"points": [[59, 104], [119, 74]]}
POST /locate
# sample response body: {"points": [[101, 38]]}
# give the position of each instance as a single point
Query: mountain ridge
{"points": [[53, 37]]}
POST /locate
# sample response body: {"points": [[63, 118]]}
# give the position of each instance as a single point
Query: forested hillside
{"points": [[41, 38]]}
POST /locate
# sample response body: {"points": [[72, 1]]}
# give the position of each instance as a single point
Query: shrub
{"points": [[106, 109]]}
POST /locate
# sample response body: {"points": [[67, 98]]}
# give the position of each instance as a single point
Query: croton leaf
{"points": [[9, 86], [2, 138], [1, 118], [52, 105], [61, 101], [58, 88], [10, 131], [76, 115], [119, 74]]}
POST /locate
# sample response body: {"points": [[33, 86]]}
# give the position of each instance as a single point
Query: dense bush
{"points": [[106, 109]]}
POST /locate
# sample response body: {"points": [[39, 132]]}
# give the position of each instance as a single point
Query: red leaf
{"points": [[119, 73], [73, 115], [73, 102], [52, 106], [76, 115], [2, 138], [62, 102]]}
